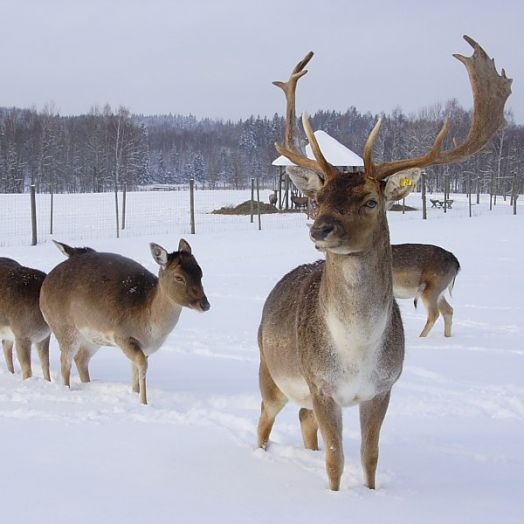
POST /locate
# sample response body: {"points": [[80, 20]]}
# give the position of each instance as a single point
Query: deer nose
{"points": [[321, 230], [205, 305]]}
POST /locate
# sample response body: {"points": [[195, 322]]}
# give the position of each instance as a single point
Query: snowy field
{"points": [[452, 445]]}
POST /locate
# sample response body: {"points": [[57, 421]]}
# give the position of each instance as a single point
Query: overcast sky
{"points": [[218, 58]]}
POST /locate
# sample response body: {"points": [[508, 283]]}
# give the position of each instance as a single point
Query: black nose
{"points": [[205, 305], [321, 231]]}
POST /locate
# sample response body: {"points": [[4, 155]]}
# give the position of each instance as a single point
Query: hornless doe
{"points": [[426, 271], [94, 299], [21, 321], [331, 334]]}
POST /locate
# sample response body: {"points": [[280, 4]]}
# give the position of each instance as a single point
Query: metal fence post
{"points": [[34, 238], [192, 204]]}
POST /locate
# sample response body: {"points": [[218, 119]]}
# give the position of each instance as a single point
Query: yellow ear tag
{"points": [[405, 182]]}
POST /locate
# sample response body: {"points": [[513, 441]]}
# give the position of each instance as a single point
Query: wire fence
{"points": [[81, 216]]}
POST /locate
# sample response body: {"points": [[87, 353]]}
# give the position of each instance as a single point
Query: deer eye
{"points": [[180, 279], [371, 203]]}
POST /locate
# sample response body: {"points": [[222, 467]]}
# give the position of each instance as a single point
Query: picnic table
{"points": [[441, 203]]}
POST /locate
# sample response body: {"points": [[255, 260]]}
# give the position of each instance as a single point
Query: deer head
{"points": [[350, 208], [180, 276]]}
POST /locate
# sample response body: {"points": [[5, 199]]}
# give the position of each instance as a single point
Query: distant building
{"points": [[335, 153]]}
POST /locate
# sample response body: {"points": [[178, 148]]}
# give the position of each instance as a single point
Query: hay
{"points": [[398, 207], [245, 209]]}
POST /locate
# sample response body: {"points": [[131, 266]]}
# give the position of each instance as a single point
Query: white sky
{"points": [[218, 58]]}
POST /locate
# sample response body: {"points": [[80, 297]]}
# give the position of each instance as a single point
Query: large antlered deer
{"points": [[425, 271], [21, 322], [103, 299], [331, 333]]}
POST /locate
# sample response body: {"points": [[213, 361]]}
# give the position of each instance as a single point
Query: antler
{"points": [[490, 92], [290, 150]]}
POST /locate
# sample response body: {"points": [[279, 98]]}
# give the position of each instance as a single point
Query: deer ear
{"points": [[305, 180], [184, 246], [159, 254], [400, 184]]}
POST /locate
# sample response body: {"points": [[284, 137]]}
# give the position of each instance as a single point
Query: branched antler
{"points": [[290, 150], [490, 92]]}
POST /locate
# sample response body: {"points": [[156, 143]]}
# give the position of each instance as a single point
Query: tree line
{"points": [[107, 149]]}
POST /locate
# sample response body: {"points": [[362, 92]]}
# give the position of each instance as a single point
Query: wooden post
{"points": [[403, 206], [124, 198], [515, 192], [469, 192], [287, 192], [446, 191], [423, 191], [280, 188], [51, 214], [478, 189], [258, 204], [34, 239], [491, 191], [192, 204], [116, 212], [252, 203]]}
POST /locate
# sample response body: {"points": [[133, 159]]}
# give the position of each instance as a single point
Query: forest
{"points": [[112, 148]]}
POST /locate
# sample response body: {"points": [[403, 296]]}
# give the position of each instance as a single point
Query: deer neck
{"points": [[164, 312], [356, 290]]}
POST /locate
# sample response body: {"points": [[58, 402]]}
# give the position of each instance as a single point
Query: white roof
{"points": [[336, 153]]}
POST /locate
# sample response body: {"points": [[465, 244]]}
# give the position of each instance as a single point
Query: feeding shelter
{"points": [[335, 153]]}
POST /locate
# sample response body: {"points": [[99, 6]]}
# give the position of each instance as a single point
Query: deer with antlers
{"points": [[331, 334]]}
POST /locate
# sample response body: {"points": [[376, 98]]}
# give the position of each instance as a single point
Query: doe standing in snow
{"points": [[21, 321], [331, 334], [103, 299], [424, 270]]}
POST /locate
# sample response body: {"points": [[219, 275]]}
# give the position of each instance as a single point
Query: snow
{"points": [[336, 154], [451, 445]]}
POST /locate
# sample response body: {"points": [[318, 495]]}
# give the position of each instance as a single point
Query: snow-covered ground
{"points": [[452, 445]]}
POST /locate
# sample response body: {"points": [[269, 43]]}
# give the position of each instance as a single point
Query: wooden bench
{"points": [[441, 203]]}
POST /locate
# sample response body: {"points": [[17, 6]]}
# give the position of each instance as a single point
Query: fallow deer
{"points": [[97, 299], [425, 271], [300, 202], [331, 334], [21, 322]]}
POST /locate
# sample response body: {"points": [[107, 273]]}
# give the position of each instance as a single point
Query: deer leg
{"points": [[135, 386], [372, 413], [309, 426], [134, 352], [329, 416], [447, 313], [43, 355], [8, 354], [82, 359], [68, 350], [23, 351], [430, 299], [273, 400]]}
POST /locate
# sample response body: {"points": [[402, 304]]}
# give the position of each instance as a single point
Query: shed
{"points": [[336, 154]]}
